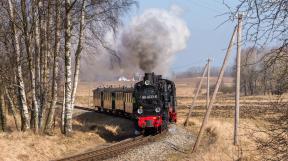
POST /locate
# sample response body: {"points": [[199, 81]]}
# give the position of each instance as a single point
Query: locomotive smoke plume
{"points": [[151, 41], [148, 44]]}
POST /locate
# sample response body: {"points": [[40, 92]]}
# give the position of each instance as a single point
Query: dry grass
{"points": [[217, 143], [91, 129]]}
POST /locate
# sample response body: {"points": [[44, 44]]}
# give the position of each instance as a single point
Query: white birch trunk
{"points": [[78, 53], [45, 66], [51, 114], [68, 73], [37, 49], [42, 59], [12, 108], [20, 82], [30, 64]]}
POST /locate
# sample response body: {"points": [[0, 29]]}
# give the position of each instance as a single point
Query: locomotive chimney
{"points": [[149, 77]]}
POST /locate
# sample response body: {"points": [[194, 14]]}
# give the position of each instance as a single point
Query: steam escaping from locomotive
{"points": [[151, 41], [148, 44]]}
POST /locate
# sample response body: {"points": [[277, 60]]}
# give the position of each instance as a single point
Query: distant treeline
{"points": [[263, 71], [197, 71]]}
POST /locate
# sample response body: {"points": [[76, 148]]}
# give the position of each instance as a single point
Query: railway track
{"points": [[114, 149]]}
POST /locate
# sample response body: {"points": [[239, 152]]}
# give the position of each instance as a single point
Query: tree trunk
{"points": [[49, 122], [20, 82], [42, 60], [30, 64], [35, 10], [68, 80], [2, 112], [78, 54], [12, 108], [63, 112]]}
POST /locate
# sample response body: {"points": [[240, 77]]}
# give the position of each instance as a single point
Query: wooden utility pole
{"points": [[89, 97], [195, 97], [215, 92], [208, 83], [238, 67]]}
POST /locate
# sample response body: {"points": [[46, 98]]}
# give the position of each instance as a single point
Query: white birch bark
{"points": [[20, 82], [12, 108], [37, 48], [49, 122], [42, 58], [30, 64], [68, 73], [46, 57], [78, 53]]}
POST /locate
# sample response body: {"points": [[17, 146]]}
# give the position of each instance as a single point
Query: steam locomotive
{"points": [[151, 104]]}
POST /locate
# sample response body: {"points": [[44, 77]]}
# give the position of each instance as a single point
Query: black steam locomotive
{"points": [[151, 103]]}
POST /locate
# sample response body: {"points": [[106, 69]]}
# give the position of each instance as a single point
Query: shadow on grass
{"points": [[110, 128]]}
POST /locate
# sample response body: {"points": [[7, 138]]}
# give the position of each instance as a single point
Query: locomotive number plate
{"points": [[149, 97]]}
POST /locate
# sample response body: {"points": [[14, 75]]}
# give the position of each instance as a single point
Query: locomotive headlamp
{"points": [[140, 110], [147, 82], [157, 109]]}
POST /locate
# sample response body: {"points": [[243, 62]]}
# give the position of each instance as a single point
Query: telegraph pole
{"points": [[208, 83], [219, 80], [89, 91], [238, 67], [196, 95]]}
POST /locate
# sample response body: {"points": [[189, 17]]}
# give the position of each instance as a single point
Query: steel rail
{"points": [[114, 149]]}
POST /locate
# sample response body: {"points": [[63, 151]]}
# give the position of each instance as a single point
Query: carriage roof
{"points": [[111, 89]]}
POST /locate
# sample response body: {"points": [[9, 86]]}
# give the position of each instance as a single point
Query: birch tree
{"points": [[27, 41], [21, 87], [37, 33], [78, 53], [54, 87], [68, 72]]}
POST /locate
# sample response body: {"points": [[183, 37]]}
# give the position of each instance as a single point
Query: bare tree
{"points": [[78, 52], [55, 69], [27, 41], [266, 23], [68, 70], [20, 82], [32, 37]]}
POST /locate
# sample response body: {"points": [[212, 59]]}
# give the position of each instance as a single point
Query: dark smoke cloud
{"points": [[148, 44], [151, 41]]}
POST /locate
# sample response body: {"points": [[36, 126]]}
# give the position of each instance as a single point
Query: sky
{"points": [[202, 18]]}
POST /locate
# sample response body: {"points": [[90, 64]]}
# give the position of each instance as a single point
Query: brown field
{"points": [[218, 140], [91, 129]]}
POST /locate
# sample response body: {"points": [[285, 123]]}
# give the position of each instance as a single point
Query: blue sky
{"points": [[202, 18]]}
